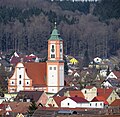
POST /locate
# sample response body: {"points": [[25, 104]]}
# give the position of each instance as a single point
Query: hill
{"points": [[92, 27]]}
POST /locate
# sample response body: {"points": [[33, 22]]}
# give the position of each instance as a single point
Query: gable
{"points": [[111, 75], [107, 84]]}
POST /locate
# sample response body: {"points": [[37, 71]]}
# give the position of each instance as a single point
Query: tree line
{"points": [[86, 27]]}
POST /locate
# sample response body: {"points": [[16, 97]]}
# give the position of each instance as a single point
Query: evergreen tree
{"points": [[86, 59], [32, 108]]}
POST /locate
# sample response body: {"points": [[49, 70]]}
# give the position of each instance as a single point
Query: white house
{"points": [[78, 102], [97, 104], [74, 102], [89, 92], [111, 75]]}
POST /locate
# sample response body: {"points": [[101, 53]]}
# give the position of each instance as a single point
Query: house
{"points": [[109, 94], [114, 75], [115, 106], [47, 76], [10, 96], [98, 102], [115, 103], [13, 108], [74, 102], [111, 83], [65, 91], [75, 93], [70, 72], [55, 101], [89, 92], [40, 97]]}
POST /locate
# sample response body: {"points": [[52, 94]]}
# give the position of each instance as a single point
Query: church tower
{"points": [[55, 62]]}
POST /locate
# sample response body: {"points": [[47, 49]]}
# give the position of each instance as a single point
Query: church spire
{"points": [[55, 34]]}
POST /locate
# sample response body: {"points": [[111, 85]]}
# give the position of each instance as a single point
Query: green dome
{"points": [[55, 35]]}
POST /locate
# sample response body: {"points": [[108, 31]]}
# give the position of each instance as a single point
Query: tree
{"points": [[32, 108]]}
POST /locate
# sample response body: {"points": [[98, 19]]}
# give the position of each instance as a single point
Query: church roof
{"points": [[55, 34], [36, 72]]}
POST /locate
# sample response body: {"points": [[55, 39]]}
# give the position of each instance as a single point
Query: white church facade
{"points": [[47, 76]]}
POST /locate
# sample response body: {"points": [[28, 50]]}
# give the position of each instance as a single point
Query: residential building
{"points": [[40, 97], [74, 102], [89, 92]]}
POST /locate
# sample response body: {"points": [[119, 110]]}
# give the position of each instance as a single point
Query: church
{"points": [[43, 76]]}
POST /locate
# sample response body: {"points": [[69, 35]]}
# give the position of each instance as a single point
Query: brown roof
{"points": [[58, 100], [37, 72], [115, 103], [117, 74], [20, 107], [76, 93], [105, 92], [33, 95]]}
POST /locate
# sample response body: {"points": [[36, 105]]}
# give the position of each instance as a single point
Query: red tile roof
{"points": [[76, 93], [105, 92], [37, 72], [99, 98], [79, 99], [2, 106], [115, 103], [58, 99]]}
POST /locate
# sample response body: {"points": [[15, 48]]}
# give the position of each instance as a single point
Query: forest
{"points": [[85, 27]]}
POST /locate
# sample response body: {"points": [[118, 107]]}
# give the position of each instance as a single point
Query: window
{"points": [[85, 91], [12, 82], [68, 104], [100, 104], [90, 104], [52, 55], [53, 49], [54, 68], [27, 82], [19, 82], [19, 76], [95, 104], [110, 98], [19, 68], [60, 49], [50, 68]]}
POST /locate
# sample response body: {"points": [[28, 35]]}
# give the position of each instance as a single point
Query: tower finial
{"points": [[55, 25]]}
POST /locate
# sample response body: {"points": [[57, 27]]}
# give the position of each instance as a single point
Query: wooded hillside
{"points": [[25, 26]]}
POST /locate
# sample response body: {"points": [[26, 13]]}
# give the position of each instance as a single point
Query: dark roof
{"points": [[64, 90], [34, 95]]}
